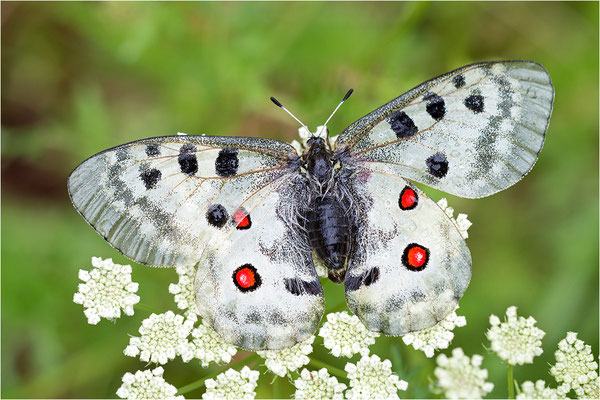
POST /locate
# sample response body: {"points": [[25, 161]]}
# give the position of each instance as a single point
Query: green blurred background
{"points": [[81, 77]]}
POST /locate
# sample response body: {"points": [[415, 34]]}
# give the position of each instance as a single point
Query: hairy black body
{"points": [[327, 220]]}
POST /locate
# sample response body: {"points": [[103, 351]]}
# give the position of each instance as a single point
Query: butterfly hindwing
{"points": [[158, 200], [410, 265], [258, 287], [471, 132]]}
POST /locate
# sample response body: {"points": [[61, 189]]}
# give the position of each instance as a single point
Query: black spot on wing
{"points": [[122, 154], [227, 162], [436, 106], [369, 277], [150, 177], [187, 159], [474, 103], [402, 125], [299, 287], [217, 215], [437, 165], [459, 81], [152, 150]]}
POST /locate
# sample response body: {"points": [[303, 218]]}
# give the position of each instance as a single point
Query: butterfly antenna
{"points": [[348, 93], [278, 104]]}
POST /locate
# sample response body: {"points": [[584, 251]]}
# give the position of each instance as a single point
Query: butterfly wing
{"points": [[409, 265], [471, 132], [156, 199], [258, 287]]}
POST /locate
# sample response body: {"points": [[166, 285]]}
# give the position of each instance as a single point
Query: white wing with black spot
{"points": [[159, 200], [409, 265], [256, 283], [471, 132]]}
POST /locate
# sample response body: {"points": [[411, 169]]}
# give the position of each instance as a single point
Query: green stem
{"points": [[147, 308], [511, 385], [200, 382], [320, 364]]}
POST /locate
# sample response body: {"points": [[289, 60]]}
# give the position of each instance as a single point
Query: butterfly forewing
{"points": [[471, 132], [410, 265], [156, 200]]}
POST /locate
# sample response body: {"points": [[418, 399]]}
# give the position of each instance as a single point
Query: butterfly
{"points": [[256, 214]]}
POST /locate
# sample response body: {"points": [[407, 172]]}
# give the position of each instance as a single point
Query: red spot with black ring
{"points": [[246, 278], [241, 218], [408, 199], [415, 257]]}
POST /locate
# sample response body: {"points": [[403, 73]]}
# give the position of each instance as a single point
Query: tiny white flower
{"points": [[162, 337], [232, 384], [437, 337], [591, 389], [184, 291], [207, 346], [318, 385], [372, 378], [575, 365], [320, 267], [461, 377], [529, 390], [148, 384], [462, 222], [345, 335], [516, 341], [280, 362], [107, 291]]}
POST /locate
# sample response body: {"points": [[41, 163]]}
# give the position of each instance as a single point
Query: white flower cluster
{"points": [[461, 377], [184, 291], [107, 289], [318, 386], [462, 221], [280, 362], [163, 336], [147, 385], [516, 341], [345, 335], [575, 367], [232, 384], [529, 390], [438, 336], [372, 378], [207, 346]]}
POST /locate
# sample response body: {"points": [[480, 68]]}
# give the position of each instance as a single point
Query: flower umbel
{"points": [[529, 390], [163, 336], [345, 335], [438, 336], [461, 377], [207, 346], [232, 384], [575, 366], [462, 222], [318, 385], [184, 291], [147, 385], [280, 362], [107, 289], [372, 378], [516, 341]]}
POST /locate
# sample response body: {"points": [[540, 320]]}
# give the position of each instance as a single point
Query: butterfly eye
{"points": [[415, 257], [246, 278]]}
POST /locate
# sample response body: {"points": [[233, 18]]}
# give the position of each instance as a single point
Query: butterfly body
{"points": [[251, 212]]}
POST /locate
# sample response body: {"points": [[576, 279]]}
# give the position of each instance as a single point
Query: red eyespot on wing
{"points": [[408, 199], [415, 257], [241, 218], [246, 278]]}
